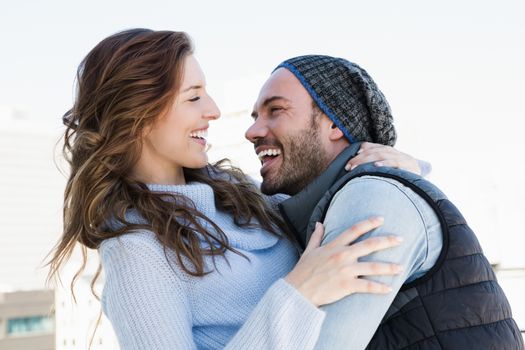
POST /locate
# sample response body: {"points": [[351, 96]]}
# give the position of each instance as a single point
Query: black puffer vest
{"points": [[458, 304]]}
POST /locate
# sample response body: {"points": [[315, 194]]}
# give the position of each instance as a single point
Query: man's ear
{"points": [[335, 133]]}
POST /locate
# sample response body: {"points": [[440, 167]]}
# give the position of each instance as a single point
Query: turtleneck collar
{"points": [[248, 238], [201, 194]]}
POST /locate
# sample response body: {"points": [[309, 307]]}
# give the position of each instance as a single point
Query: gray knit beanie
{"points": [[347, 95]]}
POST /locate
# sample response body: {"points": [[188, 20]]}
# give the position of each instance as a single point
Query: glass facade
{"points": [[22, 326]]}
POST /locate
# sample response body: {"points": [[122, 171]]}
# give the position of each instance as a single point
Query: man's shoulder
{"points": [[406, 214], [372, 195], [377, 186]]}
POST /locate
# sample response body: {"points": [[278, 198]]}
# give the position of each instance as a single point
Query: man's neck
{"points": [[297, 209], [335, 150]]}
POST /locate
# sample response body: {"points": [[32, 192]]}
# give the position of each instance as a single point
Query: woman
{"points": [[194, 256]]}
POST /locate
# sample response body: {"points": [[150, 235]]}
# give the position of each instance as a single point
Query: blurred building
{"points": [[31, 190], [80, 324], [27, 320]]}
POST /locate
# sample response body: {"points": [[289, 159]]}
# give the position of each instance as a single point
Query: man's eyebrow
{"points": [[269, 100], [274, 98], [192, 87]]}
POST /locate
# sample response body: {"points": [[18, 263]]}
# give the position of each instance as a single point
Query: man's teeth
{"points": [[268, 152], [201, 134]]}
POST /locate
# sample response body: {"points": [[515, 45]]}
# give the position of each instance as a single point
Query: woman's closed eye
{"points": [[194, 99]]}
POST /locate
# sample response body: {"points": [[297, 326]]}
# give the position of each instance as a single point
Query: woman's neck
{"points": [[155, 172]]}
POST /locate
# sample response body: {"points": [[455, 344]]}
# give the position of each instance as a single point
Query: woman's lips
{"points": [[199, 141]]}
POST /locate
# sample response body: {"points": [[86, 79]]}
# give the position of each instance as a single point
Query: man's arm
{"points": [[351, 322]]}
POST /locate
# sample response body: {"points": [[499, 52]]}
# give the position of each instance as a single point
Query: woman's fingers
{"points": [[408, 164], [393, 163], [382, 155], [369, 145], [372, 155], [371, 245], [374, 269], [357, 230], [361, 285], [325, 274], [316, 238]]}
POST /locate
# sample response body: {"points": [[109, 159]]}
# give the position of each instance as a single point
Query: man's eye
{"points": [[196, 98], [276, 109]]}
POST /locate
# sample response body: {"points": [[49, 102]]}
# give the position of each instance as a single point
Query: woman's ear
{"points": [[335, 133]]}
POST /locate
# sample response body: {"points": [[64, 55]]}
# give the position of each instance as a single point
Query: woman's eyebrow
{"points": [[196, 87]]}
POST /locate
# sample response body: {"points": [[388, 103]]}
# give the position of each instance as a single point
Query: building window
{"points": [[29, 325]]}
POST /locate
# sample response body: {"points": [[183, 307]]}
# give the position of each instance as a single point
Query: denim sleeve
{"points": [[351, 322]]}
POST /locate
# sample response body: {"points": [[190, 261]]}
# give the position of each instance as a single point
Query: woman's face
{"points": [[178, 139]]}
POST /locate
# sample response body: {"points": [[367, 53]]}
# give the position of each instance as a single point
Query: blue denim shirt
{"points": [[351, 322]]}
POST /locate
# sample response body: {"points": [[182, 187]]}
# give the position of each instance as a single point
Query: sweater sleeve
{"points": [[283, 319], [148, 306], [145, 301]]}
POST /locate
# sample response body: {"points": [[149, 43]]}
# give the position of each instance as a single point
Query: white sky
{"points": [[453, 72], [463, 54]]}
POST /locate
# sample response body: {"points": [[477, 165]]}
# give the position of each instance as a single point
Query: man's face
{"points": [[286, 136]]}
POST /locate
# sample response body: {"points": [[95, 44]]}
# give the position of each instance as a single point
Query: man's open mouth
{"points": [[268, 157]]}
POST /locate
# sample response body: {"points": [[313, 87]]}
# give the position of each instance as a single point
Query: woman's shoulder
{"points": [[139, 252], [136, 268], [138, 244], [132, 238]]}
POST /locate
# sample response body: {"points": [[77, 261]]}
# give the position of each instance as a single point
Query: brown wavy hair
{"points": [[124, 85]]}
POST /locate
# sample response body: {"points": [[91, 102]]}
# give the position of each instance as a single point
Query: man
{"points": [[309, 120]]}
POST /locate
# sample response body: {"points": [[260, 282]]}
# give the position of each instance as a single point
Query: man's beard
{"points": [[303, 160]]}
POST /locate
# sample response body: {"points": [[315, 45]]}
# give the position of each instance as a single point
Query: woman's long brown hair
{"points": [[124, 85]]}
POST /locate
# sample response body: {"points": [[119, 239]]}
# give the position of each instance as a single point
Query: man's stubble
{"points": [[304, 160]]}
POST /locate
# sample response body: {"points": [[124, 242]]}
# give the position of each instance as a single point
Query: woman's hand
{"points": [[325, 274], [383, 155]]}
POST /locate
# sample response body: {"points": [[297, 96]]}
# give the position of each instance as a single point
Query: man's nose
{"points": [[257, 130]]}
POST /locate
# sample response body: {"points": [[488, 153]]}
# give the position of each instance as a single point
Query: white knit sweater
{"points": [[242, 304]]}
